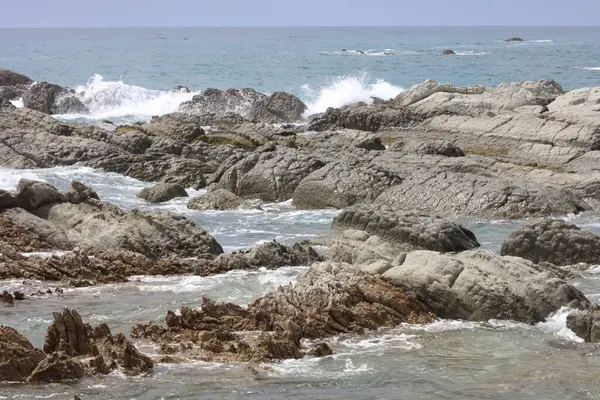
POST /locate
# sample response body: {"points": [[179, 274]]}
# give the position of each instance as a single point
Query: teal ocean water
{"points": [[127, 71]]}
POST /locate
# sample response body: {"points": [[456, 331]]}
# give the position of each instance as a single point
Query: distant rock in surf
{"points": [[514, 39], [181, 89], [448, 52]]}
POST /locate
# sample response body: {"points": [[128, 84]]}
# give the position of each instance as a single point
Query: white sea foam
{"points": [[17, 103], [116, 99], [347, 90], [472, 53], [557, 325], [541, 41], [589, 68]]}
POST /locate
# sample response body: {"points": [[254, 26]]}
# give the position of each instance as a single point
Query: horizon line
{"points": [[293, 26]]}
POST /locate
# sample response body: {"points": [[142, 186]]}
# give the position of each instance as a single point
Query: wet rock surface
{"points": [[72, 350], [162, 192], [328, 299], [554, 241]]}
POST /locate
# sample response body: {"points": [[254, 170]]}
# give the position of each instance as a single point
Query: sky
{"points": [[162, 13]]}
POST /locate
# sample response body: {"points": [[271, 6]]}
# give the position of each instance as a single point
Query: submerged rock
{"points": [[554, 241], [514, 39], [448, 52], [481, 285], [181, 89], [327, 300], [162, 192]]}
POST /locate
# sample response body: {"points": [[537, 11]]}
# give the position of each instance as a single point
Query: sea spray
{"points": [[348, 90]]}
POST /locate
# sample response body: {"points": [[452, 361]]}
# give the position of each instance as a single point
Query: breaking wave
{"points": [[347, 90]]}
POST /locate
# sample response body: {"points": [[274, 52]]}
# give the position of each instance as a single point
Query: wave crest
{"points": [[348, 90]]}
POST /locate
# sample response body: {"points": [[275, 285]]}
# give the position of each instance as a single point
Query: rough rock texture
{"points": [[554, 241], [53, 99], [178, 126], [269, 255], [327, 300], [367, 233], [448, 52], [480, 285], [10, 78], [72, 350], [85, 222], [586, 324], [270, 175], [342, 184], [79, 268], [218, 199], [162, 192], [454, 194], [18, 358], [279, 107], [19, 238]]}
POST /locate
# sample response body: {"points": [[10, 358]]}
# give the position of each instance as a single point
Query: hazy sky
{"points": [[58, 13]]}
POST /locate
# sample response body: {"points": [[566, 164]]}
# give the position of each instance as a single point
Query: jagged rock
{"points": [[364, 118], [342, 184], [13, 92], [178, 126], [162, 192], [365, 233], [270, 255], [554, 241], [457, 194], [481, 285], [218, 199], [585, 324], [328, 299], [279, 107], [18, 358], [134, 142], [55, 368], [10, 78], [270, 175], [53, 99]]}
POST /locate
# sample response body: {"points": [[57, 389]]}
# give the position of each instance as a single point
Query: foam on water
{"points": [[541, 41], [557, 325], [17, 103], [347, 90], [118, 100], [589, 68], [472, 53]]}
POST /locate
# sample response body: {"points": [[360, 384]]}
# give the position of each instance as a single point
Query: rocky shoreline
{"points": [[399, 170]]}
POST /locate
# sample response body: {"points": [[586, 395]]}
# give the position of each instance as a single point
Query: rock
{"points": [[18, 358], [554, 241], [55, 368], [96, 226], [218, 199], [585, 324], [162, 192], [283, 106], [436, 147], [13, 92], [7, 200], [178, 126], [514, 39], [481, 285], [269, 255], [377, 268], [181, 89], [7, 298], [448, 193], [10, 78], [134, 141], [53, 99], [342, 184], [404, 231], [448, 52], [270, 175], [327, 300], [363, 117], [34, 194]]}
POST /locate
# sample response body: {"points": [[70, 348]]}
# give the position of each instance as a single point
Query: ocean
{"points": [[126, 75]]}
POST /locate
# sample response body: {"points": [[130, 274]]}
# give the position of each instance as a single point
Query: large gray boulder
{"points": [[271, 174], [366, 233], [481, 285], [218, 199], [50, 98], [342, 184], [585, 324], [256, 106], [467, 194], [162, 192], [10, 78], [178, 126], [76, 218], [554, 241]]}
